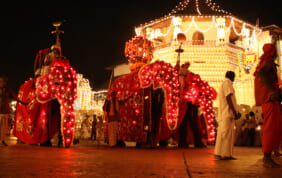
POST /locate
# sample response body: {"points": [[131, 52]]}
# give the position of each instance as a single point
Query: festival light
{"points": [[220, 26], [61, 84], [202, 94], [84, 92], [163, 75], [183, 4]]}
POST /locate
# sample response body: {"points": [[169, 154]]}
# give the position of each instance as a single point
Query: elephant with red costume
{"points": [[150, 97], [51, 95]]}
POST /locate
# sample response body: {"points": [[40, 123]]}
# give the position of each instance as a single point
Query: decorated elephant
{"points": [[39, 120], [135, 91]]}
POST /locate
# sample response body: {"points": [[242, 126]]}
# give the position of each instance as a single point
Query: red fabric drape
{"points": [[34, 123], [272, 127]]}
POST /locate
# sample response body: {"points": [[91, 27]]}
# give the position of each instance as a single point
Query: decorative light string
{"points": [[183, 4], [197, 7], [170, 27], [180, 6], [203, 31], [100, 92], [231, 25], [242, 30], [188, 29], [202, 94], [60, 83], [215, 7], [163, 75], [229, 28]]}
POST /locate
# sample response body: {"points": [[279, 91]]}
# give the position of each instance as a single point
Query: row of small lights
{"points": [[100, 92], [183, 4], [66, 93], [197, 7], [232, 24]]}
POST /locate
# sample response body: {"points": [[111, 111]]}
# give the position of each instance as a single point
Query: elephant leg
{"points": [[183, 130], [56, 121]]}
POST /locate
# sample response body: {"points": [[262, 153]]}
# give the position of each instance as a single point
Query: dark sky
{"points": [[95, 31]]}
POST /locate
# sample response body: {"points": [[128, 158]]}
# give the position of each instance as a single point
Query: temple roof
{"points": [[198, 7], [193, 8]]}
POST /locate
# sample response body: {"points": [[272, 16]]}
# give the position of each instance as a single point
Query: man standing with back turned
{"points": [[226, 118]]}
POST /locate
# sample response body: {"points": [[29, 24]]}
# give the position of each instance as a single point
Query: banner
{"points": [[247, 58]]}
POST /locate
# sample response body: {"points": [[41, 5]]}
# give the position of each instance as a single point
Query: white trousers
{"points": [[112, 132], [3, 126], [225, 138]]}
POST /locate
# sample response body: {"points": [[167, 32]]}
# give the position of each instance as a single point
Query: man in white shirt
{"points": [[227, 113]]}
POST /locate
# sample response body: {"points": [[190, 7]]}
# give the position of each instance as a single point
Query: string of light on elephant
{"points": [[61, 83]]}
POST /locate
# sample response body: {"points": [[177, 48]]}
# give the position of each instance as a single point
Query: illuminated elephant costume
{"points": [[37, 122], [202, 95], [134, 92]]}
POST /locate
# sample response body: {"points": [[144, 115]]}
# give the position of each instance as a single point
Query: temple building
{"points": [[84, 104], [84, 93], [216, 41], [88, 102]]}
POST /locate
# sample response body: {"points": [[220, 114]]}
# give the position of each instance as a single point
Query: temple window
{"points": [[198, 38]]}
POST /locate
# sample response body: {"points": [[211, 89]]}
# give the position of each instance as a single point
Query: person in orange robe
{"points": [[267, 96]]}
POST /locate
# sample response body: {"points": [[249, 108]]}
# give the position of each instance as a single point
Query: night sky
{"points": [[95, 31]]}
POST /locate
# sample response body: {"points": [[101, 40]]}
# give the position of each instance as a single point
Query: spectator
{"points": [[250, 129], [226, 118], [85, 128], [94, 126]]}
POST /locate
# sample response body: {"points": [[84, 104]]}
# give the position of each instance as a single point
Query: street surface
{"points": [[89, 160]]}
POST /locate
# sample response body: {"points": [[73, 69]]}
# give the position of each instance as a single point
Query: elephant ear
{"points": [[201, 93], [125, 86], [163, 75]]}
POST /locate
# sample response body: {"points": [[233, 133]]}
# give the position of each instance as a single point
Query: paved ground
{"points": [[89, 160]]}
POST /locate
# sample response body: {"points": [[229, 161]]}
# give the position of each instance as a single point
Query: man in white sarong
{"points": [[227, 113]]}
